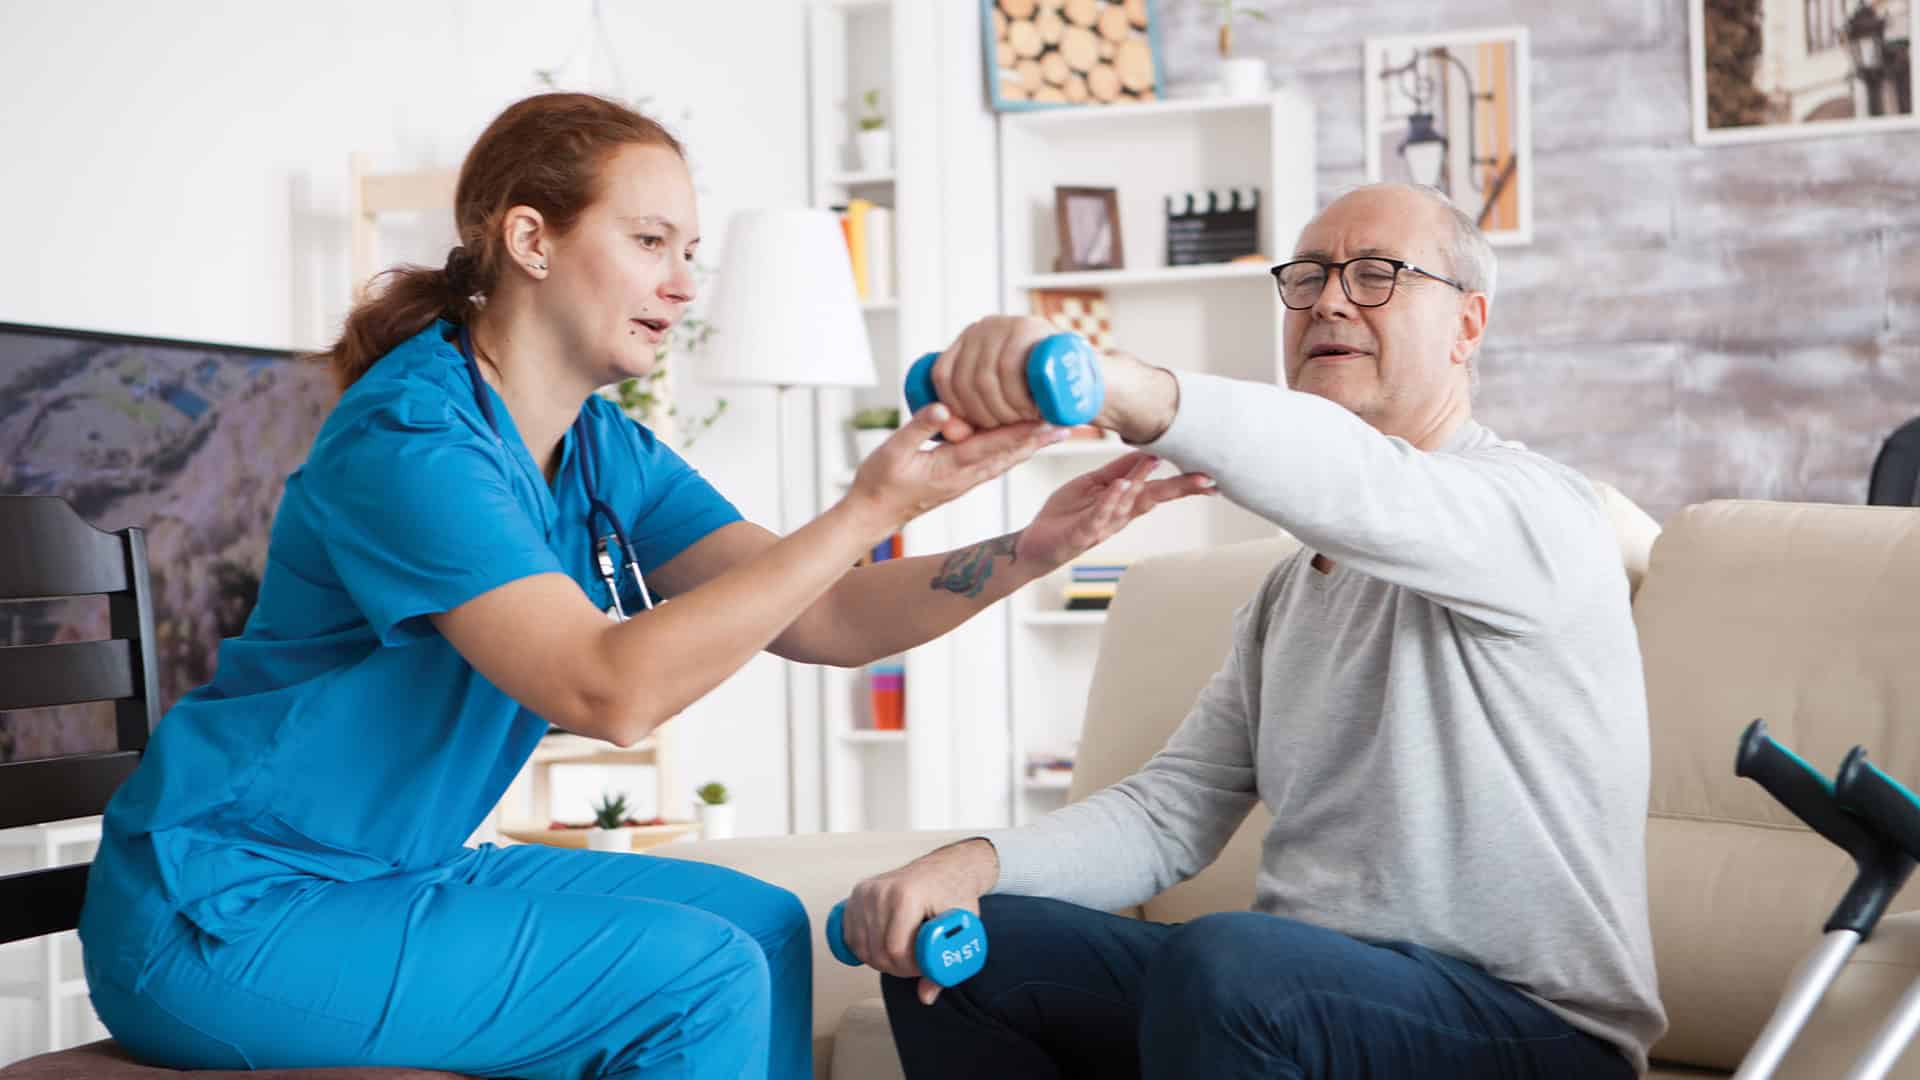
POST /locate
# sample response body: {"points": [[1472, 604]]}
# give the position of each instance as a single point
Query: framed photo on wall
{"points": [[1454, 111], [1784, 69], [1044, 54], [1087, 220]]}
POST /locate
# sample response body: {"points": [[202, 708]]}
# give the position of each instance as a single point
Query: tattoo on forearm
{"points": [[966, 571]]}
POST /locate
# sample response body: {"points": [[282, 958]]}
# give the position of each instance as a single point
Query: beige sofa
{"points": [[1808, 616]]}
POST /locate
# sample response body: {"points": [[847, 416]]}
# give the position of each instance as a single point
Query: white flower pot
{"points": [[716, 820], [867, 440], [875, 149], [600, 839], [1244, 76]]}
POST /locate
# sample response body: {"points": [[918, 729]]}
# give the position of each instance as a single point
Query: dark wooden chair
{"points": [[47, 552]]}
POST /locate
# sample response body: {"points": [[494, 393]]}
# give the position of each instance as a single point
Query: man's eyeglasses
{"points": [[1367, 281]]}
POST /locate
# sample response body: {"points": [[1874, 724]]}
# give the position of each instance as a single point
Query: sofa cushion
{"points": [[105, 1060], [1802, 615]]}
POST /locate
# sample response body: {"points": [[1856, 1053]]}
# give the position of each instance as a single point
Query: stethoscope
{"points": [[604, 547]]}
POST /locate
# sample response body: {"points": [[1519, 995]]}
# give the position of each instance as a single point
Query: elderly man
{"points": [[1439, 698]]}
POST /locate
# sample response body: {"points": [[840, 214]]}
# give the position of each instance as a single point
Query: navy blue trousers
{"points": [[1072, 992]]}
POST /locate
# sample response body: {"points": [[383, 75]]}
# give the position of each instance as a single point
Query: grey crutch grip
{"points": [[1883, 802], [1882, 867]]}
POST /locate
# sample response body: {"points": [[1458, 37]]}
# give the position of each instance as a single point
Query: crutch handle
{"points": [[1802, 789], [1885, 803]]}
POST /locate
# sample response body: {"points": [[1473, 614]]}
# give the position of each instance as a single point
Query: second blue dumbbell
{"points": [[1063, 375], [949, 948]]}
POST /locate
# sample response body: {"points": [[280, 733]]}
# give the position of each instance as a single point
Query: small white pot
{"points": [[716, 820], [875, 148], [600, 839], [867, 440], [1244, 76]]}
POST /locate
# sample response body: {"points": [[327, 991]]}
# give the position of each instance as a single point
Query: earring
{"points": [[539, 266]]}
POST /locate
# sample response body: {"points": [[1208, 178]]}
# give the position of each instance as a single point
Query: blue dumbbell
{"points": [[949, 948], [1063, 375]]}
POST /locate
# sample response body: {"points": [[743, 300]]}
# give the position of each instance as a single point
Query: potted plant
{"points": [[610, 831], [873, 142], [1240, 76], [871, 427], [716, 813]]}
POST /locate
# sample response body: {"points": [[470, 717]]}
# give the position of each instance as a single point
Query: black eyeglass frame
{"points": [[1339, 270]]}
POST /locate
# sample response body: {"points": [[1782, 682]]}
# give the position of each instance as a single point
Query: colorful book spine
{"points": [[887, 690], [879, 253], [857, 244], [1091, 586]]}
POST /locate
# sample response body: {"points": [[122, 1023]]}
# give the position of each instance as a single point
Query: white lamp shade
{"points": [[784, 311]]}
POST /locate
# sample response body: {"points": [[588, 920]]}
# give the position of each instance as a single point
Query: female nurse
{"points": [[283, 881]]}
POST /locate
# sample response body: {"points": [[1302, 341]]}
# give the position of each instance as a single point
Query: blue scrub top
{"points": [[342, 737]]}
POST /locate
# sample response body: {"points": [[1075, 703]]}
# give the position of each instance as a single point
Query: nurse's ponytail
{"points": [[544, 152]]}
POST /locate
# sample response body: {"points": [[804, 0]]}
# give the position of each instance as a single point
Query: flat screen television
{"points": [[189, 440]]}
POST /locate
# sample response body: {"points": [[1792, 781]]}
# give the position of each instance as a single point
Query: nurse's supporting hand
{"points": [[1089, 509], [900, 481], [883, 913]]}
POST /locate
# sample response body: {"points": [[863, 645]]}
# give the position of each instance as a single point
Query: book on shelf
{"points": [[868, 228], [887, 695], [1050, 768], [1091, 586], [893, 547]]}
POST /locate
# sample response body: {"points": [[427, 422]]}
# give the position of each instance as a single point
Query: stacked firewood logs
{"points": [[1081, 51]]}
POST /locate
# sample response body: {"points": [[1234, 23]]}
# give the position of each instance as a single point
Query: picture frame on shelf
{"points": [[1789, 69], [1454, 111], [1049, 54], [1087, 224]]}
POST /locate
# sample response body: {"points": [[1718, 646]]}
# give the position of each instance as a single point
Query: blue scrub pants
{"points": [[1072, 992], [524, 961]]}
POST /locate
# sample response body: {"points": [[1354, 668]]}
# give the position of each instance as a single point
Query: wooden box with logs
{"points": [[1070, 52]]}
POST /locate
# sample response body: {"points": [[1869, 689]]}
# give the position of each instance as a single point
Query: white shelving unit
{"points": [[1224, 319], [881, 779]]}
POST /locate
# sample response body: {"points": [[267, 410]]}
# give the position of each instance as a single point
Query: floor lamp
{"points": [[785, 315]]}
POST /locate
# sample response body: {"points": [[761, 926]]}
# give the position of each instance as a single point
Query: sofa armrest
{"points": [[821, 868], [1859, 1002]]}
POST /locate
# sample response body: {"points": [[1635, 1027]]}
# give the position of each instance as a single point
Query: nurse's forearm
{"points": [[653, 666], [892, 606]]}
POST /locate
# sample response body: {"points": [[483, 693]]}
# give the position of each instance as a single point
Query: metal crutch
{"points": [[1882, 869], [1894, 812]]}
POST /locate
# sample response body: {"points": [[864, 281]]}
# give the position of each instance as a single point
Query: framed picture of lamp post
{"points": [[1453, 111], [1783, 69]]}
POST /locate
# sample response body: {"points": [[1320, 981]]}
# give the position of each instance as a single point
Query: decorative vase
{"points": [[1243, 76], [716, 820], [875, 148], [600, 839]]}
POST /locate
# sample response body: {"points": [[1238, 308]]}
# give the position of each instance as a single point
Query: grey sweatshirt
{"points": [[1450, 727]]}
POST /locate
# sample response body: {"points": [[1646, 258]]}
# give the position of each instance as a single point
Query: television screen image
{"points": [[193, 442]]}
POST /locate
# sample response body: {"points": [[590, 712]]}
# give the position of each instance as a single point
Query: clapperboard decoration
{"points": [[1212, 226]]}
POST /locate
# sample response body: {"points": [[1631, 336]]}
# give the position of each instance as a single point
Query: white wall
{"points": [[180, 170]]}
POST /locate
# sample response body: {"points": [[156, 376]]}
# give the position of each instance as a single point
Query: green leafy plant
{"points": [[875, 418], [872, 119], [713, 793], [1230, 10], [611, 811]]}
